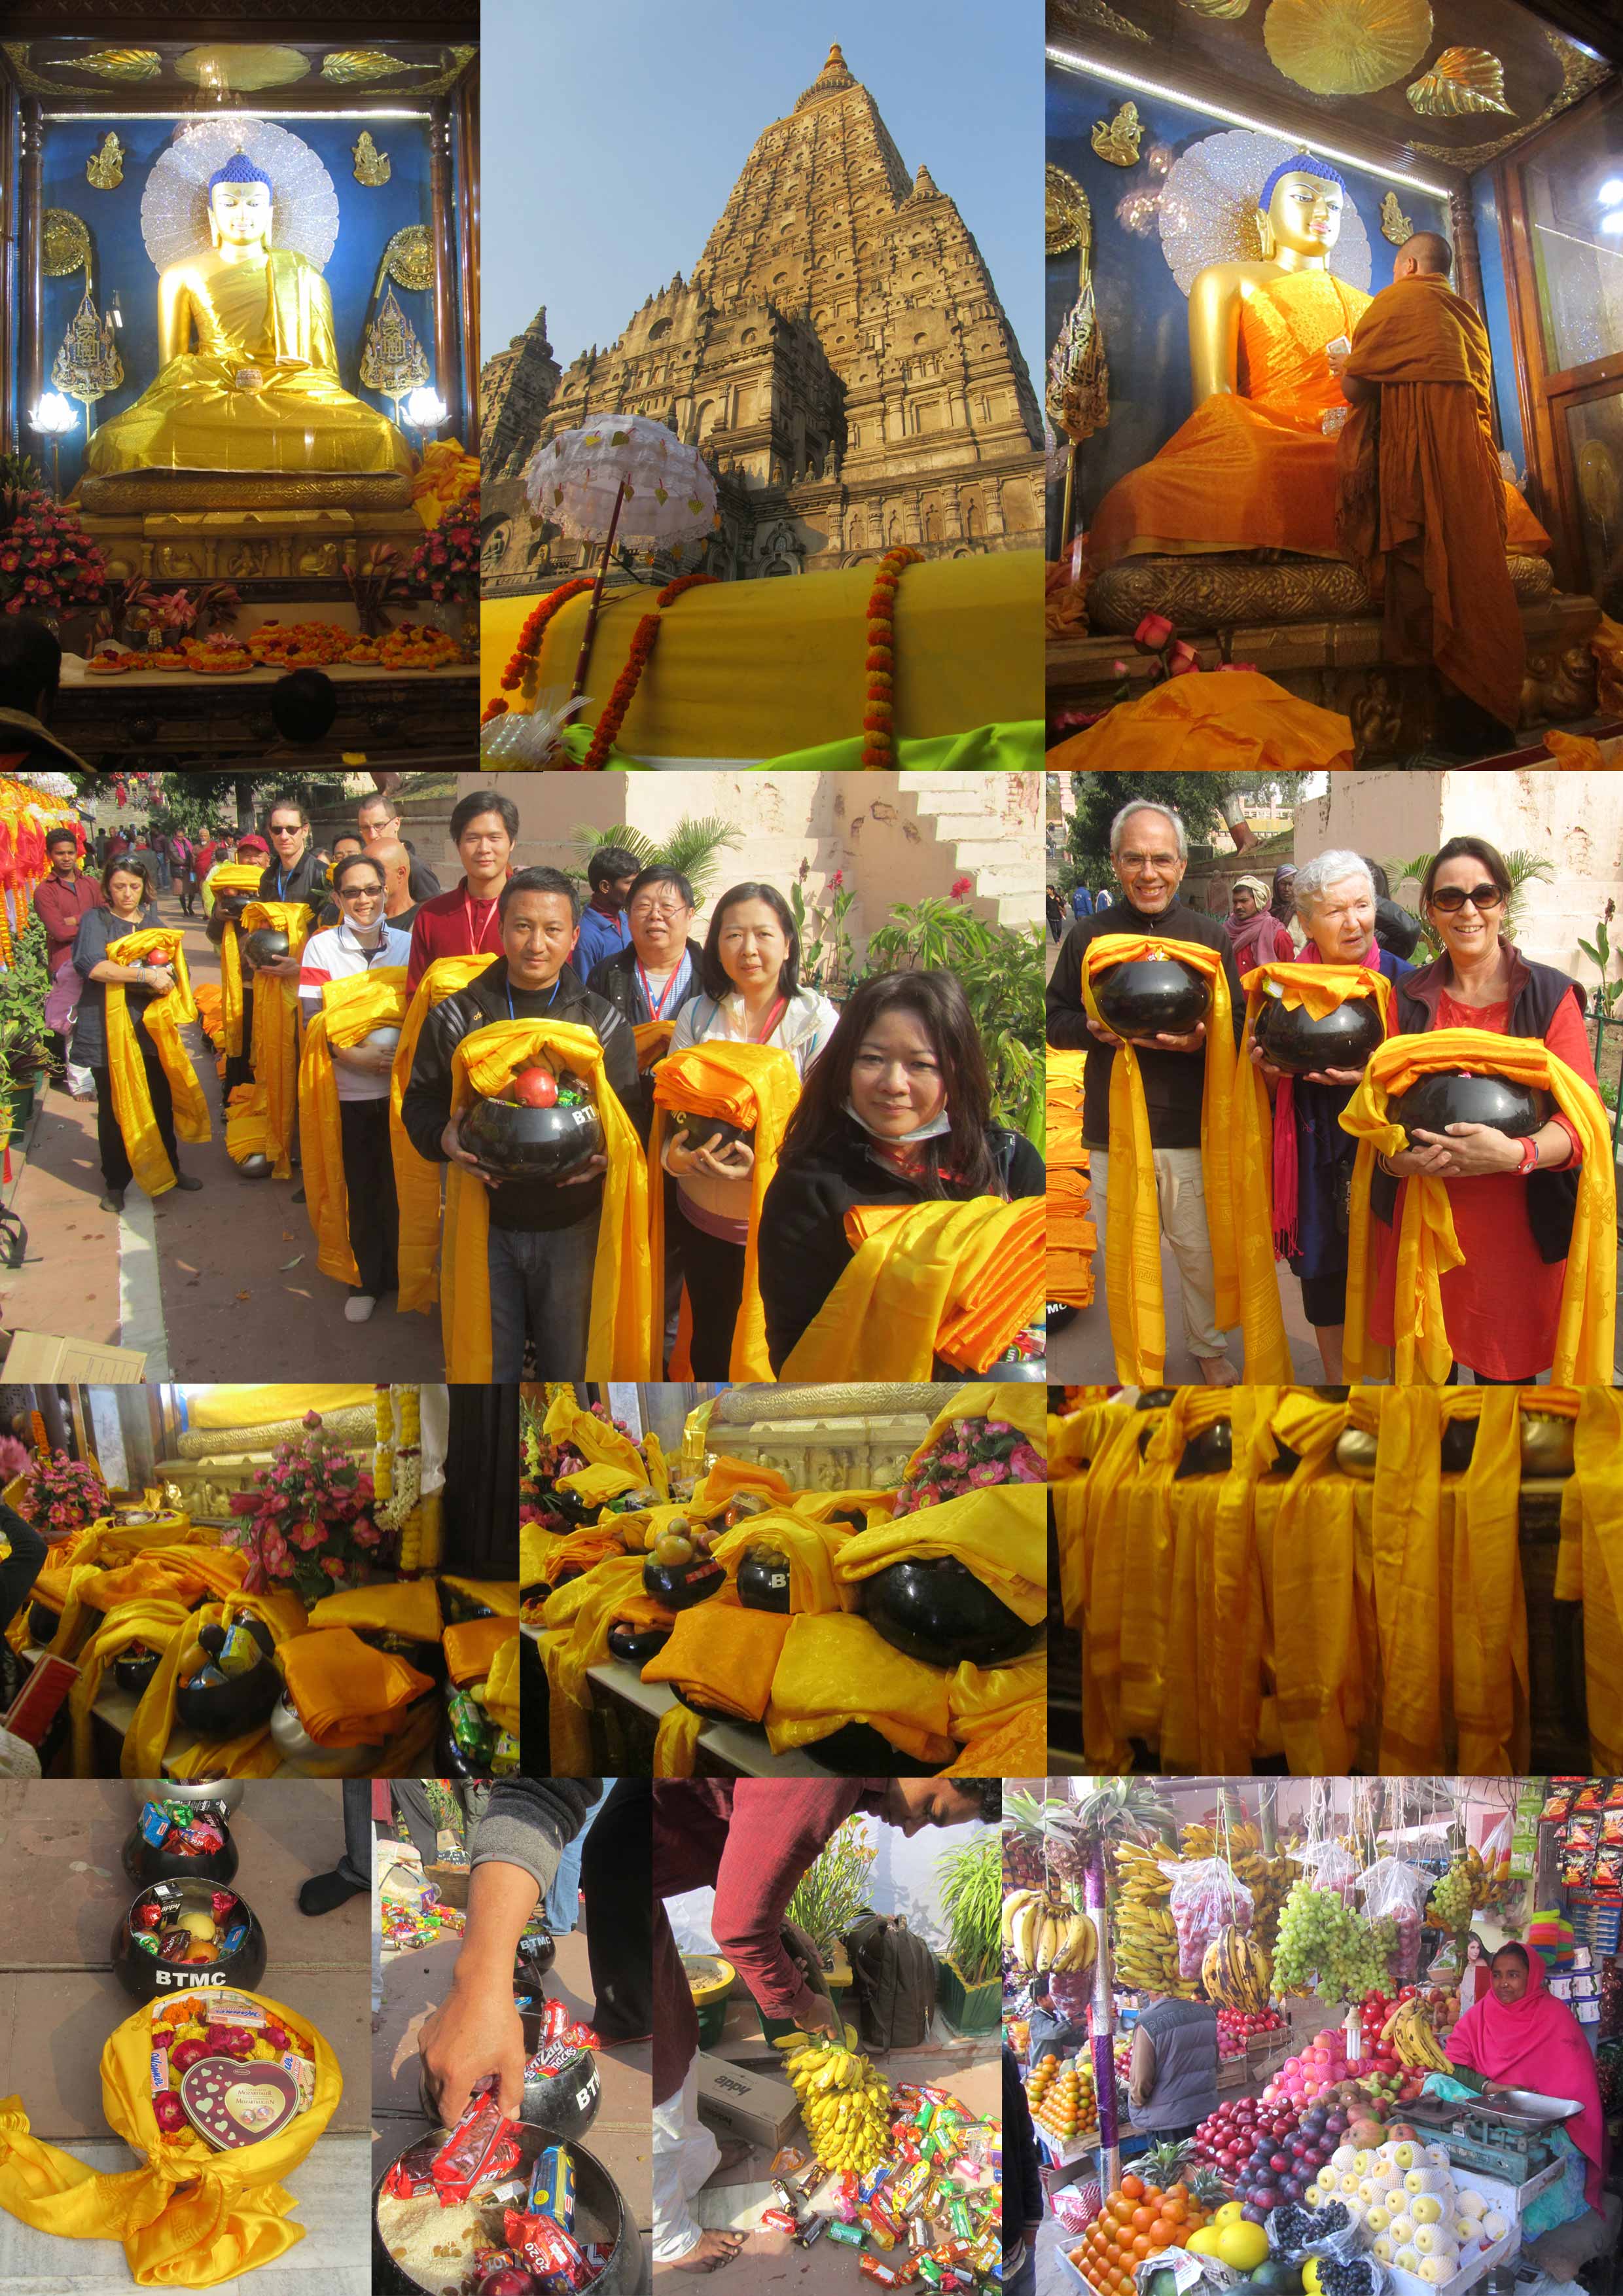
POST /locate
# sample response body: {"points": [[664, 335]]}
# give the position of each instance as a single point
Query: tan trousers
{"points": [[1180, 1191]]}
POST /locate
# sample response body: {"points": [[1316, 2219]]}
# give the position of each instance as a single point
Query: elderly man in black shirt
{"points": [[1150, 853]]}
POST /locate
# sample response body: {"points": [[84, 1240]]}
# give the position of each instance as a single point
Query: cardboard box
{"points": [[452, 1883], [42, 1356], [751, 2106]]}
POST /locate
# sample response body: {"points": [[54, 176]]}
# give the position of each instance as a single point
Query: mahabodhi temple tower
{"points": [[840, 352]]}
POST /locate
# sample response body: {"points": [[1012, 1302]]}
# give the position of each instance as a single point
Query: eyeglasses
{"points": [[351, 892], [1450, 897], [643, 911], [1148, 860]]}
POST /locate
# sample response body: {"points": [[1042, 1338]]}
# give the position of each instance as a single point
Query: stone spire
{"points": [[925, 184], [834, 77]]}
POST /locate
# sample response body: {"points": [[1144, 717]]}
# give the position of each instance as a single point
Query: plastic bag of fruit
{"points": [[1331, 1867], [1207, 1896], [1296, 2233], [1394, 1890]]}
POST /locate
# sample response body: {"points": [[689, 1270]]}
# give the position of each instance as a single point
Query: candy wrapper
{"points": [[545, 2248], [478, 2149], [552, 2186]]}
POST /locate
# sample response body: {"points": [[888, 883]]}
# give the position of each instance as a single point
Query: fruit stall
{"points": [[1328, 1924]]}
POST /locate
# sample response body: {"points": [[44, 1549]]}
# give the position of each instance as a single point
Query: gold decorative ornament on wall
{"points": [[1462, 80], [1220, 12], [1117, 141], [371, 167], [1066, 212], [240, 67], [1346, 47], [64, 243], [1094, 15], [346, 66], [1395, 225], [408, 259], [104, 168], [131, 65]]}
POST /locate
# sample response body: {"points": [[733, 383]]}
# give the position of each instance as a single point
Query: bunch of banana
{"points": [[1146, 1946], [1235, 1973], [1203, 1841], [1410, 2031], [845, 2104], [1268, 1880], [1044, 1933]]}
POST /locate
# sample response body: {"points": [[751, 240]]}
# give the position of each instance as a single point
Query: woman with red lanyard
{"points": [[749, 992], [464, 921]]}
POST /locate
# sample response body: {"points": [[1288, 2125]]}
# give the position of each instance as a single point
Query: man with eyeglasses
{"points": [[1150, 853], [379, 817], [652, 978], [464, 921]]}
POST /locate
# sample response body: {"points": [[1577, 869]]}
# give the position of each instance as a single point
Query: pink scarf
{"points": [[1287, 1170], [1537, 2043]]}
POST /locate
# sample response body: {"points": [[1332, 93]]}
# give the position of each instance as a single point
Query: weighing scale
{"points": [[1505, 2137]]}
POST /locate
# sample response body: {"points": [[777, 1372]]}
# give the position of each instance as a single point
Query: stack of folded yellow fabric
{"points": [[1073, 1238]]}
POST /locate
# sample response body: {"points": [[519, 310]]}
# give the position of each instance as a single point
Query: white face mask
{"points": [[933, 1130]]}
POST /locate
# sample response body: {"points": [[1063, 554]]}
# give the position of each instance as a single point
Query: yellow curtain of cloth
{"points": [[724, 1656], [1147, 1598], [132, 1096], [501, 1694], [1427, 1246], [213, 1409], [416, 1180], [155, 1621], [401, 1606], [347, 1692], [1099, 1525], [471, 1648], [576, 1636], [189, 2218], [751, 1085], [147, 1739], [622, 1285], [1000, 1534], [811, 1549], [1020, 1402], [1489, 1652], [835, 1669], [275, 1038], [911, 1277], [1320, 1643], [1071, 1442], [599, 1441], [1234, 1165], [1413, 1591], [1591, 1565], [232, 877], [351, 1009]]}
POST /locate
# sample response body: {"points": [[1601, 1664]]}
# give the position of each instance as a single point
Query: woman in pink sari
{"points": [[1519, 2035]]}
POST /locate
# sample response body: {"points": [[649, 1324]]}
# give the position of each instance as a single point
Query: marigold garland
{"points": [[642, 642], [497, 707], [879, 740], [524, 669]]}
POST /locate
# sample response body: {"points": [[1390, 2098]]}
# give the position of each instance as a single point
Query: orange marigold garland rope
{"points": [[523, 669], [644, 639], [879, 739]]}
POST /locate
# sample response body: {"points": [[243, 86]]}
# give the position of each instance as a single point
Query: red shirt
{"points": [[59, 908], [456, 923]]}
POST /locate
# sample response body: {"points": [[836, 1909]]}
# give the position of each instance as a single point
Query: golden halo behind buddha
{"points": [[174, 202], [1346, 47], [1208, 207]]}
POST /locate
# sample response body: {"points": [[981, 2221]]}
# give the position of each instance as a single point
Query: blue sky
{"points": [[606, 156]]}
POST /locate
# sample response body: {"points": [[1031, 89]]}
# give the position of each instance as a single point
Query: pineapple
{"points": [[1163, 2164], [1208, 2189]]}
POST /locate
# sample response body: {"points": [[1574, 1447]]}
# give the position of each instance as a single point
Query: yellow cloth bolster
{"points": [[723, 1655], [753, 1085], [617, 1343], [346, 1692], [999, 1533], [836, 1668], [132, 1095], [1427, 1244], [416, 1180], [471, 1648], [276, 1037], [406, 1606], [351, 1009]]}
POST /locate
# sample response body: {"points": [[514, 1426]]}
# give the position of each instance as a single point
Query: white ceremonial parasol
{"points": [[624, 475]]}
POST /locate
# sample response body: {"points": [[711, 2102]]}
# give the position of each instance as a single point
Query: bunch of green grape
{"points": [[1451, 1899], [1322, 1937]]}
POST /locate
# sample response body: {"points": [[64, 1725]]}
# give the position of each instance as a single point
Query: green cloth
{"points": [[1014, 747]]}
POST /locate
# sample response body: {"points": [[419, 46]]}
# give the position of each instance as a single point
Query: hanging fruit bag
{"points": [[1207, 1896]]}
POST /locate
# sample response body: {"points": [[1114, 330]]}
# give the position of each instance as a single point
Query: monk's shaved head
{"points": [[1425, 252]]}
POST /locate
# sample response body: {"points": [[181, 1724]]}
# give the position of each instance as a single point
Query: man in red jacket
{"points": [[60, 900]]}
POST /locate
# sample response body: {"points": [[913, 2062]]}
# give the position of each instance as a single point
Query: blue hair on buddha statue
{"points": [[1302, 163], [239, 169]]}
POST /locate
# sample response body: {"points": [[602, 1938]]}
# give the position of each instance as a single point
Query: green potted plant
{"points": [[23, 989], [969, 1981]]}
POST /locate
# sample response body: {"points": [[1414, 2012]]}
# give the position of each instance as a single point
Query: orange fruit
{"points": [[1134, 2188], [1141, 2244], [1142, 2219]]}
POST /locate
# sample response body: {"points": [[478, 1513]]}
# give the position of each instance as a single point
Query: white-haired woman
{"points": [[1313, 1158]]}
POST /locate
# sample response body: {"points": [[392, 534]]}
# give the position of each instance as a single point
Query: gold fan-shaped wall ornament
{"points": [[1220, 12], [1346, 47], [1067, 217], [1395, 225], [64, 243], [408, 259], [1463, 81]]}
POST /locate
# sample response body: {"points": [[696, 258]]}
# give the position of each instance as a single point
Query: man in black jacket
{"points": [[543, 1234], [1023, 2199], [1150, 853]]}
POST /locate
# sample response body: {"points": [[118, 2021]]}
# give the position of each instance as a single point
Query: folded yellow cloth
{"points": [[597, 1486], [233, 877], [187, 2218], [471, 1648], [502, 1683], [822, 1506], [350, 1010], [499, 1595], [402, 1606], [725, 1477], [959, 1279], [835, 1669], [346, 1692], [161, 1019], [416, 1180], [724, 1656], [810, 1547], [999, 1533], [983, 1699], [247, 1123], [581, 1550], [276, 1036]]}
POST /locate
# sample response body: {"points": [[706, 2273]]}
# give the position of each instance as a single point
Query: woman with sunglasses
{"points": [[1512, 1202]]}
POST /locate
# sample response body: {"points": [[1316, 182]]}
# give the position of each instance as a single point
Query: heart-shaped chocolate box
{"points": [[233, 2104]]}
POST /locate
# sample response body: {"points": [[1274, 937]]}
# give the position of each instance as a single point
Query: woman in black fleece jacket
{"points": [[896, 1112]]}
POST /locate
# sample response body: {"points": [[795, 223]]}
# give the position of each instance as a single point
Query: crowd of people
{"points": [[1490, 1297], [743, 1115]]}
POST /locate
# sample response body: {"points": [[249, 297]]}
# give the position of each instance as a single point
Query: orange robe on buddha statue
{"points": [[1258, 471]]}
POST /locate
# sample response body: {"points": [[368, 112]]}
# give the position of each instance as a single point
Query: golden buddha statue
{"points": [[1254, 467], [260, 392]]}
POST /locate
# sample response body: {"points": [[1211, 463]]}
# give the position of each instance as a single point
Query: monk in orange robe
{"points": [[1419, 497]]}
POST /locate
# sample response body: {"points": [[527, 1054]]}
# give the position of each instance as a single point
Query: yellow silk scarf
{"points": [[1015, 1747], [1489, 1652], [836, 1668], [189, 2218], [651, 1038], [473, 1648], [1321, 988], [1000, 1534], [146, 1740], [599, 1442], [622, 1283], [576, 1637], [1235, 1170], [501, 1690], [132, 1096], [981, 1700], [1591, 1566], [1315, 1592], [750, 1085], [1213, 1640], [275, 1038], [725, 1477], [233, 877], [1147, 1597], [416, 1180], [153, 1622], [350, 1010], [921, 1271], [1413, 1588], [1427, 1246], [1099, 1523], [498, 1594], [597, 1486]]}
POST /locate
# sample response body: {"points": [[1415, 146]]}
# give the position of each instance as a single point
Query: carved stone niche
{"points": [[206, 1485], [827, 1437]]}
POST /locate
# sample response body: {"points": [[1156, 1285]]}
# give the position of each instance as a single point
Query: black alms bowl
{"points": [[601, 2218], [1151, 996], [531, 1144], [533, 1957], [144, 1865], [1209, 1452], [763, 1580], [226, 1709], [146, 1978], [267, 945], [1436, 1101], [636, 1645], [700, 1131], [680, 1584], [1291, 1039], [939, 1612]]}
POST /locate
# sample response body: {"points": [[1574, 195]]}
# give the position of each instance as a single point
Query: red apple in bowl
{"points": [[535, 1087]]}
